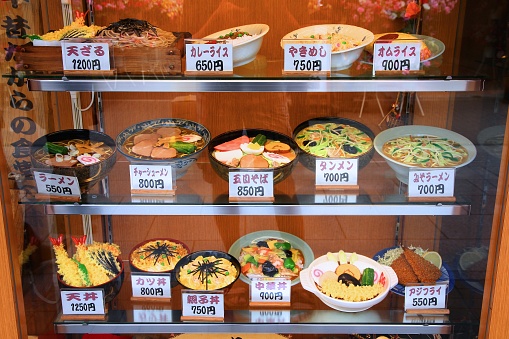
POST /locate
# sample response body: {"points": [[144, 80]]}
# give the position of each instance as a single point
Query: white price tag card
{"points": [[57, 185], [401, 56], [77, 56], [425, 297], [431, 183], [151, 179], [335, 198], [336, 172], [270, 316], [202, 305], [152, 313], [424, 318], [206, 56], [82, 302], [312, 57], [151, 285], [251, 185], [270, 291]]}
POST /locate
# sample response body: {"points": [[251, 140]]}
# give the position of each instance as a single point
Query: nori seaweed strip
{"points": [[106, 260]]}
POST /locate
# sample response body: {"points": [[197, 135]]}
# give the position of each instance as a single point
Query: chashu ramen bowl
{"points": [[159, 255], [231, 150], [316, 136], [348, 41], [449, 149], [207, 270], [149, 143], [89, 141], [312, 277]]}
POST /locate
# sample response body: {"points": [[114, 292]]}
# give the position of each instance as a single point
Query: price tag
{"points": [[152, 313], [431, 183], [207, 56], [400, 56], [202, 305], [335, 198], [77, 56], [151, 286], [424, 319], [151, 179], [82, 302], [425, 297], [270, 292], [336, 173], [269, 316], [251, 185], [307, 57], [57, 185]]}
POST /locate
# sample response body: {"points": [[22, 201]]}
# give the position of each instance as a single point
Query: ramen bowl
{"points": [[309, 160], [158, 256], [279, 173], [87, 175], [199, 271], [245, 48], [310, 277], [402, 170], [181, 163], [340, 59], [110, 288]]}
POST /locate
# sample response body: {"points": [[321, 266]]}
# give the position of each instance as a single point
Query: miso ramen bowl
{"points": [[110, 288], [309, 160], [197, 271], [88, 175], [181, 163], [402, 169], [279, 173]]}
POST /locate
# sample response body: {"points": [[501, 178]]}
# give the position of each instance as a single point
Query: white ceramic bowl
{"points": [[341, 59], [402, 170], [309, 278], [246, 51]]}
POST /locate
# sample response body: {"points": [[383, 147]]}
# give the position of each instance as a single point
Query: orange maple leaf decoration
{"points": [[412, 10]]}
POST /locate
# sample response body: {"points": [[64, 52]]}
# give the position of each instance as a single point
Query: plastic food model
{"points": [[157, 255]]}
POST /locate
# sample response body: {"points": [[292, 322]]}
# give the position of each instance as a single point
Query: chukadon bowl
{"points": [[88, 175], [354, 138], [245, 47], [443, 152], [139, 142], [348, 41], [207, 270], [281, 162], [310, 281]]}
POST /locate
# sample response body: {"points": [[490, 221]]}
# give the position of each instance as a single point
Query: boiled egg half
{"points": [[252, 148]]}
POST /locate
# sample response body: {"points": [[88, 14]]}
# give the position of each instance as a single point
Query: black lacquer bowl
{"points": [[110, 288], [279, 173], [88, 175], [309, 160], [198, 270]]}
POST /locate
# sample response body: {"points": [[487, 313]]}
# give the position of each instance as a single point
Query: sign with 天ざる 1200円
{"points": [[312, 57], [85, 56], [209, 56], [57, 185], [82, 301]]}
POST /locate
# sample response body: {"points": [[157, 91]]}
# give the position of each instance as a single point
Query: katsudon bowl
{"points": [[149, 143]]}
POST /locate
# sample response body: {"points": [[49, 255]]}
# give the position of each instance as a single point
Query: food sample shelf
{"points": [[239, 84], [240, 321]]}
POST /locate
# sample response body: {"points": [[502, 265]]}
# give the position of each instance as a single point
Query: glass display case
{"points": [[457, 93]]}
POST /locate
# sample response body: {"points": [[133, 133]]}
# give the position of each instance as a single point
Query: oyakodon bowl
{"points": [[279, 173], [309, 160], [180, 164], [244, 49], [402, 170], [156, 258], [341, 59], [309, 278], [200, 269], [88, 175], [110, 288]]}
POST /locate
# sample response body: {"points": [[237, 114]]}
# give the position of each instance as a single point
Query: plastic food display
{"points": [[85, 154], [331, 137], [247, 41], [347, 41]]}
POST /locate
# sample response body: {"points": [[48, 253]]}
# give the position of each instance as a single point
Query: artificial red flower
{"points": [[412, 10]]}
